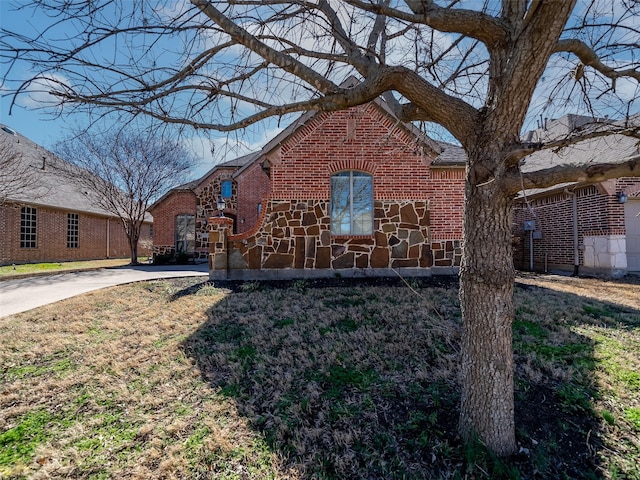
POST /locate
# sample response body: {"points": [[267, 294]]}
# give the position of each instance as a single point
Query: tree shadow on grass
{"points": [[360, 381]]}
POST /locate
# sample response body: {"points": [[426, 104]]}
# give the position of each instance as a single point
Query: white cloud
{"points": [[38, 93]]}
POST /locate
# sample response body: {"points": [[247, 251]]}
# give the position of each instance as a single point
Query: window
{"points": [[151, 231], [351, 203], [28, 227], [185, 233], [72, 230], [226, 189]]}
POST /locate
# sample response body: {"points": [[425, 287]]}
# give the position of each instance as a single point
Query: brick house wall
{"points": [[599, 214], [164, 219], [362, 138], [253, 190], [99, 237], [446, 205], [200, 199], [417, 210]]}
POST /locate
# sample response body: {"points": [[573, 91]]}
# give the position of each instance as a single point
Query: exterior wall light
{"points": [[622, 197], [221, 204]]}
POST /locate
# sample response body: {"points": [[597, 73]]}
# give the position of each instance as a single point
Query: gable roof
{"points": [[446, 154], [234, 163], [600, 149], [436, 147], [48, 181]]}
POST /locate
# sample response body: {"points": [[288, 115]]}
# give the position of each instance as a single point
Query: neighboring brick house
{"points": [[50, 219], [587, 228]]}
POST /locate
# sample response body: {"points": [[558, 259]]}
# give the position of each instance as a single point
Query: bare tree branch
{"points": [[592, 173], [124, 173], [589, 58]]}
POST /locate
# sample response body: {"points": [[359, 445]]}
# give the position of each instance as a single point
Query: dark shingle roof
{"points": [[450, 156], [599, 149]]}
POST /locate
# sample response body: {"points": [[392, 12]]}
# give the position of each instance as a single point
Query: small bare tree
{"points": [[479, 69], [124, 173]]}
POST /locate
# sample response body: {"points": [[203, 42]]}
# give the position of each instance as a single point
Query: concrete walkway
{"points": [[24, 294]]}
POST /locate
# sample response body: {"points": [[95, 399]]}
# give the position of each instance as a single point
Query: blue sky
{"points": [[45, 129], [30, 122], [29, 118]]}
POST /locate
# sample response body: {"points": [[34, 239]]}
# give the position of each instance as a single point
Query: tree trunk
{"points": [[134, 236], [133, 245], [487, 280]]}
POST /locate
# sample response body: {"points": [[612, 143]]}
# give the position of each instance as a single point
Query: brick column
{"points": [[219, 228]]}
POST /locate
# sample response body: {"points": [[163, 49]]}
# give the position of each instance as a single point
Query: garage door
{"points": [[632, 225]]}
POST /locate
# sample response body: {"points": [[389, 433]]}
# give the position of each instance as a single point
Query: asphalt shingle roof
{"points": [[49, 185], [601, 149]]}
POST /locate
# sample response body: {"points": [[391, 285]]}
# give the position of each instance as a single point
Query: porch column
{"points": [[219, 228]]}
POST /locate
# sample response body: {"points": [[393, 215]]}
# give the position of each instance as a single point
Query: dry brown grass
{"points": [[621, 292], [122, 398], [176, 379]]}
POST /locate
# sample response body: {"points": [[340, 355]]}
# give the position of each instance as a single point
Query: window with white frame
{"points": [[28, 221], [72, 230], [351, 203]]}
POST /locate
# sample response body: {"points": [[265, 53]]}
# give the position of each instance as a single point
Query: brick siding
{"points": [[417, 210], [51, 230], [253, 189], [599, 213], [364, 139], [164, 219]]}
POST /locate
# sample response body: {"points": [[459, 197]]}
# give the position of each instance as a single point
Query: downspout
{"points": [[576, 250], [107, 237], [531, 250]]}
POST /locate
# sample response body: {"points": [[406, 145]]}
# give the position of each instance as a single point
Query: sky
{"points": [[32, 123], [28, 117], [44, 129]]}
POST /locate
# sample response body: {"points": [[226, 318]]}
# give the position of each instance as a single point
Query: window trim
{"points": [[73, 230], [28, 227], [363, 174], [185, 241]]}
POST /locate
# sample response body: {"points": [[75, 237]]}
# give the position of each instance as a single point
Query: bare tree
{"points": [[124, 173], [478, 69]]}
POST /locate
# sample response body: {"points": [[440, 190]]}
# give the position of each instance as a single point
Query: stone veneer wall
{"points": [[605, 254], [207, 206], [293, 239]]}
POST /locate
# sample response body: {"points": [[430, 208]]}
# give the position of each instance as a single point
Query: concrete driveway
{"points": [[24, 294]]}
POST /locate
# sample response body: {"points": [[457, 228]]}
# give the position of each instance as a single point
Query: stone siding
{"points": [[295, 236]]}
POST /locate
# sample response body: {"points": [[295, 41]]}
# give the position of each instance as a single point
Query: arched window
{"points": [[351, 203]]}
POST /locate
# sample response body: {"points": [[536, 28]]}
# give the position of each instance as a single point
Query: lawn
{"points": [[306, 380], [9, 271]]}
